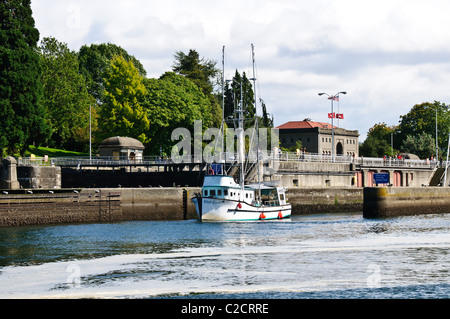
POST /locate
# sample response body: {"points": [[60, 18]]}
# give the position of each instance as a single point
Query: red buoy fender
{"points": [[280, 215], [239, 206], [262, 216]]}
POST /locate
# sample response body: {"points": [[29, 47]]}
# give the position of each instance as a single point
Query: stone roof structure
{"points": [[122, 142]]}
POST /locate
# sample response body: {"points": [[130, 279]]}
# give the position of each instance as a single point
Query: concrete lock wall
{"points": [[44, 207], [39, 176], [158, 203], [307, 174], [325, 200], [401, 201]]}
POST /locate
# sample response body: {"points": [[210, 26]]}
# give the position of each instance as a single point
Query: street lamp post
{"points": [[332, 98]]}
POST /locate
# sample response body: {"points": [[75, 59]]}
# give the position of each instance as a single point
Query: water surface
{"points": [[314, 256]]}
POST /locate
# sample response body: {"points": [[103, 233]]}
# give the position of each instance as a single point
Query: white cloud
{"points": [[388, 54]]}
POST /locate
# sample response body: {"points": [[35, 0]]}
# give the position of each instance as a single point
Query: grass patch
{"points": [[52, 152]]}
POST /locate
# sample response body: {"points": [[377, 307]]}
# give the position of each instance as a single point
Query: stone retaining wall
{"points": [[402, 201]]}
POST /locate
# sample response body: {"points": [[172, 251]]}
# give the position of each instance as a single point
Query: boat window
{"points": [[206, 193], [246, 195], [225, 192], [213, 192], [219, 192], [281, 196]]}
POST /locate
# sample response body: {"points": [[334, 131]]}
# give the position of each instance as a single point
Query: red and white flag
{"points": [[336, 116], [334, 98]]}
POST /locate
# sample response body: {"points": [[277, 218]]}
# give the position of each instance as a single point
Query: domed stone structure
{"points": [[122, 148]]}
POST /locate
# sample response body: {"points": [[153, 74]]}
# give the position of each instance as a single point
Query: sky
{"points": [[388, 55]]}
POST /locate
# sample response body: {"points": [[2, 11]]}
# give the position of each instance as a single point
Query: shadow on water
{"points": [[433, 291]]}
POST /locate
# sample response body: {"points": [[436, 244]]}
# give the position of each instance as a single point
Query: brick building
{"points": [[316, 138]]}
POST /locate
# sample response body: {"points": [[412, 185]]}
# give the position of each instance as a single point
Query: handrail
{"points": [[224, 158]]}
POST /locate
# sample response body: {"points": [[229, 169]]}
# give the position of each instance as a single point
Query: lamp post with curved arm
{"points": [[332, 98]]}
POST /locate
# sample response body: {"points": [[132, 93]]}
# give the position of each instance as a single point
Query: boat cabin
{"points": [[220, 186], [273, 196]]}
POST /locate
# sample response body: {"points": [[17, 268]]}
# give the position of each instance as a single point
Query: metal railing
{"points": [[265, 157]]}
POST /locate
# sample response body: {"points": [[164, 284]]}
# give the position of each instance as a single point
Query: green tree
{"points": [[373, 147], [22, 120], [203, 73], [422, 119], [200, 71], [378, 141], [94, 62], [121, 113], [423, 145], [173, 101], [66, 99], [234, 94], [267, 120]]}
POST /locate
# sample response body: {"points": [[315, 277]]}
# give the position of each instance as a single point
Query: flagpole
{"points": [[332, 98], [332, 131]]}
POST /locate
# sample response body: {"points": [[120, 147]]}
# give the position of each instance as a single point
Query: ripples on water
{"points": [[315, 256]]}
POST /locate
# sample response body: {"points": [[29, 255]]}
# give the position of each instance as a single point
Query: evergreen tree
{"points": [[22, 120], [202, 72], [240, 88], [267, 121]]}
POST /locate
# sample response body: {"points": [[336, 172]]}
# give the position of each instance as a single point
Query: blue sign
{"points": [[381, 178]]}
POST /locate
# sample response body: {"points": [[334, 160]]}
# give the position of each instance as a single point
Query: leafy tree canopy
{"points": [[422, 119], [94, 62], [122, 113], [66, 99], [423, 145], [173, 101], [378, 142]]}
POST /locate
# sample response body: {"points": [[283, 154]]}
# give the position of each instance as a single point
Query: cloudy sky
{"points": [[387, 54]]}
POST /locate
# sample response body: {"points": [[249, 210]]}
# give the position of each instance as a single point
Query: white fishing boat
{"points": [[223, 199]]}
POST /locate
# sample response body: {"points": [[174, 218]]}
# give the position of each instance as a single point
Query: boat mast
{"points": [[256, 126], [241, 140], [223, 107]]}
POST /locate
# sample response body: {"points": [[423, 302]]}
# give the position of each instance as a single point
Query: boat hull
{"points": [[215, 209]]}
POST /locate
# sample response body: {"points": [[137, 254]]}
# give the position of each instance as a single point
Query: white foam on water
{"points": [[198, 270]]}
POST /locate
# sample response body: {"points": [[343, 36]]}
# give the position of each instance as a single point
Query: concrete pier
{"points": [[403, 201]]}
